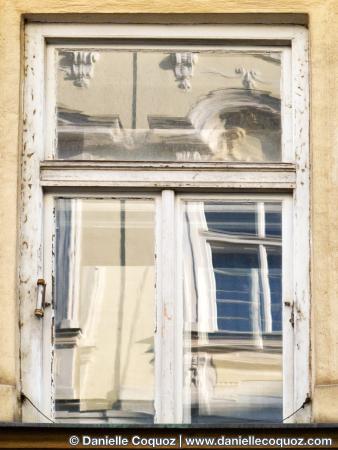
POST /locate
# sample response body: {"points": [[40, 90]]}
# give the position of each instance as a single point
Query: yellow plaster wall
{"points": [[323, 25]]}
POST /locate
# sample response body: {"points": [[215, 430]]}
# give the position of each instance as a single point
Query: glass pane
{"points": [[233, 312], [229, 219], [104, 349], [178, 104]]}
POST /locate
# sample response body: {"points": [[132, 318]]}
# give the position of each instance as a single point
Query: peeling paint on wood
{"points": [[54, 175]]}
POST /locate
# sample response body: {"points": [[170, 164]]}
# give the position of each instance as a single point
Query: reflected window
{"points": [[104, 368], [233, 312]]}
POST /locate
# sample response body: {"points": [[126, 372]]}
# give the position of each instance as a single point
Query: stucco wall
{"points": [[323, 23]]}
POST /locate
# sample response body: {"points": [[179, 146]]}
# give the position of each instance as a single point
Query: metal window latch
{"points": [[41, 298]]}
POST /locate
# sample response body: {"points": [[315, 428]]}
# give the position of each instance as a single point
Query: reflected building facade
{"points": [[233, 312], [155, 105], [150, 105], [104, 350]]}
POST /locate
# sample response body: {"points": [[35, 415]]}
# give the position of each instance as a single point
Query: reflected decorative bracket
{"points": [[79, 66], [248, 77], [184, 68]]}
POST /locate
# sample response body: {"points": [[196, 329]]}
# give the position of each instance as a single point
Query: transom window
{"points": [[169, 222], [191, 103]]}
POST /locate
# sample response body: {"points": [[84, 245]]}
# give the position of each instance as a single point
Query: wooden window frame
{"points": [[42, 178]]}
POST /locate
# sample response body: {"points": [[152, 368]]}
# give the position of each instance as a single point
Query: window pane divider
{"points": [[165, 373], [218, 175], [173, 165]]}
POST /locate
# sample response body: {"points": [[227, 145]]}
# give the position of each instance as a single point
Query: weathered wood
{"points": [[166, 293], [301, 225], [31, 229], [199, 166], [165, 177], [76, 176]]}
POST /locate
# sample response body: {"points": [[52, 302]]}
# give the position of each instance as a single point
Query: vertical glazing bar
{"points": [[179, 316], [166, 293], [264, 269]]}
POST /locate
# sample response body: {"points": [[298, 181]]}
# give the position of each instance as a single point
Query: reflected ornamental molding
{"points": [[248, 77], [239, 124], [79, 66], [233, 124], [184, 68]]}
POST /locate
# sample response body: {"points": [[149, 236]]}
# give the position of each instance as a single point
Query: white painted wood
{"points": [[158, 313], [39, 137], [174, 166], [160, 175], [167, 178], [301, 226], [31, 229], [271, 34], [179, 337], [166, 293]]}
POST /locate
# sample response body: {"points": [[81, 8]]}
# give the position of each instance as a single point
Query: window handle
{"points": [[41, 298]]}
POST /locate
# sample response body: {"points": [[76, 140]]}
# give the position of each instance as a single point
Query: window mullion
{"points": [[166, 294]]}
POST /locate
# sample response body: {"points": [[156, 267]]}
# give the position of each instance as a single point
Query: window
{"points": [[165, 232]]}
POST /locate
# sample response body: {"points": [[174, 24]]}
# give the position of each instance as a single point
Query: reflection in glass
{"points": [[168, 105], [233, 312], [104, 310]]}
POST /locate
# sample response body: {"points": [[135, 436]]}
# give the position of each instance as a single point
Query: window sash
{"points": [[287, 271], [169, 340], [221, 35]]}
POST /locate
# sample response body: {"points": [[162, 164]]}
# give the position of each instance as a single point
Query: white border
{"points": [[31, 205]]}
